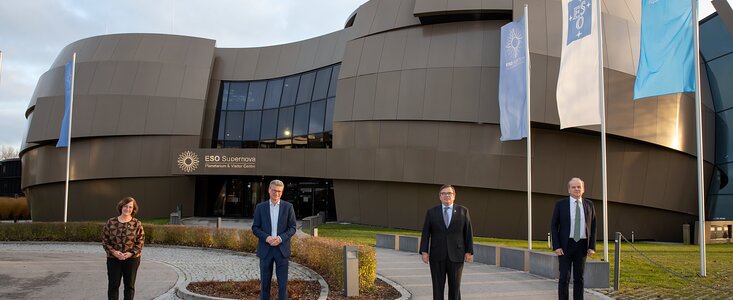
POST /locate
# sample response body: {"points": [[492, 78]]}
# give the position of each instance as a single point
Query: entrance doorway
{"points": [[237, 196]]}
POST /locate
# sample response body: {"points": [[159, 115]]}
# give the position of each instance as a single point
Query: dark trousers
{"points": [[574, 259], [439, 270], [125, 270], [281, 269]]}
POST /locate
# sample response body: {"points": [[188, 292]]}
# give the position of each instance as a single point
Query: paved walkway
{"points": [[480, 281], [38, 270]]}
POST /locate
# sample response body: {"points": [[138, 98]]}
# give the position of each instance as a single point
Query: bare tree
{"points": [[7, 152]]}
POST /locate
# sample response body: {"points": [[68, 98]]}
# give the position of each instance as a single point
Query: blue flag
{"points": [[64, 134], [513, 81], [666, 61]]}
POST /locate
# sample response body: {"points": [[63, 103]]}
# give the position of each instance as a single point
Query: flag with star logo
{"points": [[578, 83]]}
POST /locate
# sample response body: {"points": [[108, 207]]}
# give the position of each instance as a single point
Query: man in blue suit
{"points": [[274, 225], [573, 237]]}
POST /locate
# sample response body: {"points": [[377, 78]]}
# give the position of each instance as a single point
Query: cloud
{"points": [[34, 32]]}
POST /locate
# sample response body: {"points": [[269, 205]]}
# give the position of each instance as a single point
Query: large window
{"points": [[289, 112]]}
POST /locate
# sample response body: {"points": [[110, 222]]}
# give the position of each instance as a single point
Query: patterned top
{"points": [[123, 237]]}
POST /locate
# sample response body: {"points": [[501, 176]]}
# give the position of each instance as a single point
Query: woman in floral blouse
{"points": [[123, 239]]}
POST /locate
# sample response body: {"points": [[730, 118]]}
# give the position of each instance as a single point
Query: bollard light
{"points": [[218, 222], [314, 232], [351, 271]]}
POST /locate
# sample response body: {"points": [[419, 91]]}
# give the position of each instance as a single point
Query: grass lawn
{"points": [[639, 277]]}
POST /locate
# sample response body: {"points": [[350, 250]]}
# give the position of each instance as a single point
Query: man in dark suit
{"points": [[573, 237], [274, 225], [446, 242]]}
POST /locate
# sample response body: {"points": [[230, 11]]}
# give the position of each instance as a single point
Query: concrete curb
{"points": [[172, 291], [405, 294]]}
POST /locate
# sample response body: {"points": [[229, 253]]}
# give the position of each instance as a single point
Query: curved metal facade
{"points": [[416, 107]]}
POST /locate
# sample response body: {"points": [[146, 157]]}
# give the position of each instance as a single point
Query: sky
{"points": [[33, 32]]}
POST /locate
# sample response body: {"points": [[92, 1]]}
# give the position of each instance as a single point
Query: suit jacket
{"points": [[262, 227], [561, 224], [447, 243]]}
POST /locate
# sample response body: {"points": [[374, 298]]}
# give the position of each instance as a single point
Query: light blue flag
{"points": [[513, 81], [666, 61], [64, 134]]}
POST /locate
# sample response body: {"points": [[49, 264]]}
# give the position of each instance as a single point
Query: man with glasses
{"points": [[274, 225], [447, 242]]}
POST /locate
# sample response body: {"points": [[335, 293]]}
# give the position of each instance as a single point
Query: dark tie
{"points": [[446, 220], [576, 230]]}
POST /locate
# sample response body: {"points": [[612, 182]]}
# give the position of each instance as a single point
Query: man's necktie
{"points": [[576, 230], [446, 220]]}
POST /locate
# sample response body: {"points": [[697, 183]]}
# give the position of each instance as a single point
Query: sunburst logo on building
{"points": [[514, 42], [188, 161]]}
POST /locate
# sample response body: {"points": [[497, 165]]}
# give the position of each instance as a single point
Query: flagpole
{"points": [[68, 144], [529, 130], [604, 178], [698, 123]]}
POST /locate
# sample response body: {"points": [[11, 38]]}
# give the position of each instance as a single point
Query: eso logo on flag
{"points": [[514, 47], [579, 19]]}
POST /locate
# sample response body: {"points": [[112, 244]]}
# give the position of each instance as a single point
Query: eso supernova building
{"points": [[366, 123]]}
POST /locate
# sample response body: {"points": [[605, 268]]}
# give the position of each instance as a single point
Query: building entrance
{"points": [[237, 196]]}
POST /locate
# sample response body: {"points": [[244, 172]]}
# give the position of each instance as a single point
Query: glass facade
{"points": [[716, 49], [290, 112], [237, 196]]}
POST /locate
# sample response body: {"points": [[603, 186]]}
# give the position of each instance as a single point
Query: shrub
{"points": [[227, 239], [14, 208], [323, 255], [326, 257]]}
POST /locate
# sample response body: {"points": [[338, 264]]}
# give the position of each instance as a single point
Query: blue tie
{"points": [[446, 217]]}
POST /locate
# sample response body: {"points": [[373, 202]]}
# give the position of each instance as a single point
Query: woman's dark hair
{"points": [[124, 202]]}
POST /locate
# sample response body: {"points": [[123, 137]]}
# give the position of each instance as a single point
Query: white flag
{"points": [[578, 84]]}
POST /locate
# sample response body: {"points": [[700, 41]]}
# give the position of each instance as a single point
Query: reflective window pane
{"points": [[222, 125], [285, 123], [300, 142], [252, 125], [318, 112], [305, 90], [715, 40], [237, 95], [320, 90], [224, 95], [269, 124], [290, 90], [720, 77], [235, 120], [316, 141], [328, 123], [334, 80], [256, 95], [723, 140], [300, 122], [723, 207], [274, 91]]}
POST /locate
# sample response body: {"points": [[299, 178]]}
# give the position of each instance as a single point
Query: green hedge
{"points": [[323, 255]]}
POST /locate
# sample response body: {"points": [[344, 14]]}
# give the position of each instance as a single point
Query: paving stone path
{"points": [[85, 268]]}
